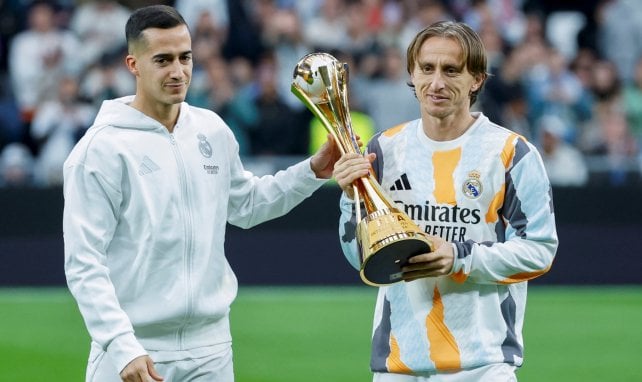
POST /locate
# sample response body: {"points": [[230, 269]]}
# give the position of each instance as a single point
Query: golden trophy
{"points": [[386, 236]]}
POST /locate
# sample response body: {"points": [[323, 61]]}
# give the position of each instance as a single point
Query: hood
{"points": [[118, 113]]}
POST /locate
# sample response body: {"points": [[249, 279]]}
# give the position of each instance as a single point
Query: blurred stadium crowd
{"points": [[567, 76]]}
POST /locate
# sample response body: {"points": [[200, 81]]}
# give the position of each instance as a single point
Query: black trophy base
{"points": [[384, 266]]}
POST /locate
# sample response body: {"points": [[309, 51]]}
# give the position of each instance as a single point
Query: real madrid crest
{"points": [[472, 186], [204, 146]]}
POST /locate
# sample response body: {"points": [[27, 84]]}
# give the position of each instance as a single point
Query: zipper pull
{"points": [[172, 139]]}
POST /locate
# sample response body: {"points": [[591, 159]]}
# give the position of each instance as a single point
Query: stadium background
{"points": [[302, 312]]}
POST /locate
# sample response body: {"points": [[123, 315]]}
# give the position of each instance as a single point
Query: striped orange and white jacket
{"points": [[487, 193]]}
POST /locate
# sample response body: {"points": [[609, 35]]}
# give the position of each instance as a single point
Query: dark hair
{"points": [[470, 42], [153, 16]]}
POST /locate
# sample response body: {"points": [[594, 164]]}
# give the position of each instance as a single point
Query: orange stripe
{"points": [[459, 277], [394, 362], [444, 351], [394, 130], [444, 163], [509, 150], [523, 276], [493, 207]]}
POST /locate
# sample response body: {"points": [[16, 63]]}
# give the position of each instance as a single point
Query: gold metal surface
{"points": [[386, 236]]}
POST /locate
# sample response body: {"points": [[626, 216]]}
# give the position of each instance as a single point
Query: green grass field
{"points": [[322, 334]]}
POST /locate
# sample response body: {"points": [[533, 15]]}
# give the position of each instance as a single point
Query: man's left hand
{"points": [[439, 262]]}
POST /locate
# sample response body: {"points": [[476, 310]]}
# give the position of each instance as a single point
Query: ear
{"points": [[131, 63], [479, 80]]}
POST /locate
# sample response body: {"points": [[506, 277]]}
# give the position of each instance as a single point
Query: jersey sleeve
{"points": [[524, 223], [348, 230]]}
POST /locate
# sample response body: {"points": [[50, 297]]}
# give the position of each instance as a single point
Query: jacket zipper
{"points": [[189, 237]]}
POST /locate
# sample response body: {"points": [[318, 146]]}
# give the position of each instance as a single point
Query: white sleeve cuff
{"points": [[124, 349]]}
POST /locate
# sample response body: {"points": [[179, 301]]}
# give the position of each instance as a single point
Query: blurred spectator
{"points": [[207, 31], [241, 113], [107, 79], [207, 44], [620, 34], [10, 125], [38, 57], [387, 98], [608, 133], [373, 14], [57, 126], [361, 39], [619, 143], [16, 166], [555, 90], [392, 22], [99, 24], [230, 99], [562, 30], [494, 95], [514, 114], [504, 15], [327, 30], [12, 20], [564, 163], [281, 131], [283, 35], [582, 66], [419, 14], [244, 32], [605, 88], [509, 68], [194, 10], [632, 98]]}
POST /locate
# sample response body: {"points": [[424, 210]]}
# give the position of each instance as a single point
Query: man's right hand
{"points": [[351, 167], [141, 369]]}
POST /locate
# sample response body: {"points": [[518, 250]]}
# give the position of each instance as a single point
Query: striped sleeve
{"points": [[524, 223]]}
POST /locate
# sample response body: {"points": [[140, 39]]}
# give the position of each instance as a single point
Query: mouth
{"points": [[175, 85], [436, 97]]}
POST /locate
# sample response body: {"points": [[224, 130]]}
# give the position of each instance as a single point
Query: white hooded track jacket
{"points": [[144, 227]]}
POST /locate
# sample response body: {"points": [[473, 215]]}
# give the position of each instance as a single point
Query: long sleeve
{"points": [[525, 225], [254, 200], [87, 237], [347, 231]]}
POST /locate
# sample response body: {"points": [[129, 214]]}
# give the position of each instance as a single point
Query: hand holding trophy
{"points": [[386, 236]]}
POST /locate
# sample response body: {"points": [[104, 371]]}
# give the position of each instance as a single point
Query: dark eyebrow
{"points": [[459, 67], [168, 56]]}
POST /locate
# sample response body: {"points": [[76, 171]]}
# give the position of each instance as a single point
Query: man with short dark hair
{"points": [[148, 192]]}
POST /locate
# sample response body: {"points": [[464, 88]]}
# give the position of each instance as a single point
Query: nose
{"points": [[437, 81], [176, 70]]}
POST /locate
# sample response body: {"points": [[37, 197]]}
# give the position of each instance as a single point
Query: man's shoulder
{"points": [[200, 111]]}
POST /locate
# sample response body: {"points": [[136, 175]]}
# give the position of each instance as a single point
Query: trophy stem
{"points": [[372, 195]]}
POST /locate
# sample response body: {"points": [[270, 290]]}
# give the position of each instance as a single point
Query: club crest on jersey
{"points": [[472, 186], [204, 146]]}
